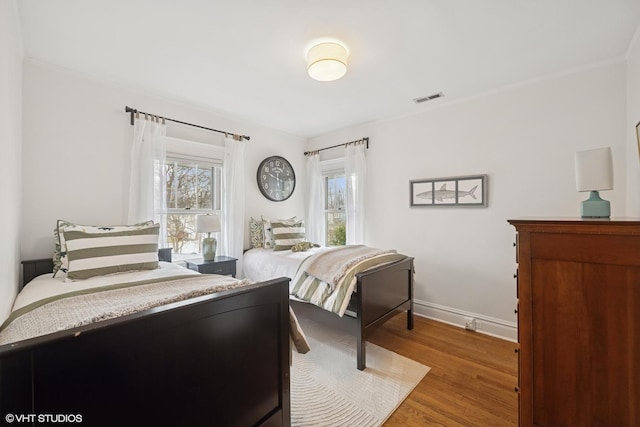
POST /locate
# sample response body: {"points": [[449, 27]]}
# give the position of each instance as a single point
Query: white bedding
{"points": [[46, 285], [261, 264], [166, 284]]}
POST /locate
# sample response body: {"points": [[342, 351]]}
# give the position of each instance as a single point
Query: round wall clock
{"points": [[276, 179]]}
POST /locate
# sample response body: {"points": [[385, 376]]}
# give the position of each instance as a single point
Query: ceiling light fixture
{"points": [[327, 61]]}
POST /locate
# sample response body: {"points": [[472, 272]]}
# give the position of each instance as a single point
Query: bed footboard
{"points": [[220, 360], [382, 293]]}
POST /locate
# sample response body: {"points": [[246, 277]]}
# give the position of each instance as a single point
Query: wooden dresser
{"points": [[578, 288]]}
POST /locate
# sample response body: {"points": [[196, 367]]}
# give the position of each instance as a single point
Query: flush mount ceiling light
{"points": [[327, 61]]}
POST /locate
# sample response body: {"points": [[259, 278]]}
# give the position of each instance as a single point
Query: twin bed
{"points": [[376, 286], [214, 352], [206, 349]]}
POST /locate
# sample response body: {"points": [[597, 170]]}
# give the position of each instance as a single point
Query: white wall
{"points": [[76, 166], [524, 138], [633, 117], [76, 149], [10, 147]]}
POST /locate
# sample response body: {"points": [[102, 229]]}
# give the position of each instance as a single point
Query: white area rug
{"points": [[328, 390]]}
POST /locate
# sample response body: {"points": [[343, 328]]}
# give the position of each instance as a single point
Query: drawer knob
{"points": [[516, 389], [515, 311], [517, 350], [515, 276]]}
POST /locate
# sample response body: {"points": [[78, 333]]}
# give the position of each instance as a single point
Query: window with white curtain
{"points": [[336, 196], [335, 216], [334, 203], [193, 186]]}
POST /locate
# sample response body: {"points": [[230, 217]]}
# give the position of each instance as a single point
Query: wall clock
{"points": [[276, 179]]}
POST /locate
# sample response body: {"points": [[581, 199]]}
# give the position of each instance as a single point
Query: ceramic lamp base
{"points": [[595, 207], [209, 245]]}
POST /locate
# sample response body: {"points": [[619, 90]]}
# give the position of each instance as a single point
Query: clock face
{"points": [[276, 179]]}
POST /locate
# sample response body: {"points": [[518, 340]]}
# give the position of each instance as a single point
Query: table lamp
{"points": [[208, 224], [594, 172]]}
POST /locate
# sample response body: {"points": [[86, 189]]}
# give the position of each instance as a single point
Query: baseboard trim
{"points": [[485, 325]]}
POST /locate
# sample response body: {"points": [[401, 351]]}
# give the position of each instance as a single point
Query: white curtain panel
{"points": [[232, 219], [146, 185], [315, 224], [356, 175]]}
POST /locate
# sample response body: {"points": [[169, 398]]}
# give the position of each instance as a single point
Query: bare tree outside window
{"points": [[335, 204], [191, 189]]}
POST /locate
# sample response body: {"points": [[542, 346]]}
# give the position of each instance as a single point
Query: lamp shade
{"points": [[594, 170], [327, 61], [207, 223]]}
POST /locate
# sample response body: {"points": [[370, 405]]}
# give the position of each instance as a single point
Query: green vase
{"points": [[209, 248]]}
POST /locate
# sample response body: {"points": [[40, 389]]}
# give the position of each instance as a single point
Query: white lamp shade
{"points": [[207, 223], [327, 61], [594, 170]]}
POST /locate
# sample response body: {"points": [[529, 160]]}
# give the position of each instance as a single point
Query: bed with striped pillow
{"points": [[98, 254]]}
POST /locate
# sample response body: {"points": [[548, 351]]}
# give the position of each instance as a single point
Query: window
{"points": [[193, 187], [335, 191]]}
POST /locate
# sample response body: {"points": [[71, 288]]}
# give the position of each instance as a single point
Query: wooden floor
{"points": [[471, 381]]}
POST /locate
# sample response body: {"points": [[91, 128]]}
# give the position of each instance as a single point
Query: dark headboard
{"points": [[35, 267]]}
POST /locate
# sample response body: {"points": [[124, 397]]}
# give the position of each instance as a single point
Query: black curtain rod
{"points": [[365, 140], [134, 111]]}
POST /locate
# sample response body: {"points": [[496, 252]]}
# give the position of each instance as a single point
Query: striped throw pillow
{"points": [[60, 261], [97, 254], [286, 234], [268, 234]]}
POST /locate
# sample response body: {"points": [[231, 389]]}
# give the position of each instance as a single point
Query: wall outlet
{"points": [[470, 323]]}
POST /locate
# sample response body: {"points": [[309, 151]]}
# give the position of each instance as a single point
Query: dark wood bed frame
{"points": [[381, 293], [217, 360]]}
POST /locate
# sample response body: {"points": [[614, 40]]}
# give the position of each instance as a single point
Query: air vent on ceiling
{"points": [[428, 98]]}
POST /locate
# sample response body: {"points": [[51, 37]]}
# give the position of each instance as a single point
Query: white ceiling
{"points": [[246, 58]]}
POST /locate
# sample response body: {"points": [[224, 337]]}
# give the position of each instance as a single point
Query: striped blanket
{"points": [[327, 279]]}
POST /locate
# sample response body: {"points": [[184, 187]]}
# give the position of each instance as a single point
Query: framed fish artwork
{"points": [[465, 191]]}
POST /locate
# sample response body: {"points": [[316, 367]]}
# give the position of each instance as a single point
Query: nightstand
{"points": [[220, 265]]}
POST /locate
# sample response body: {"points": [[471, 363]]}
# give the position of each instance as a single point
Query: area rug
{"points": [[328, 390]]}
